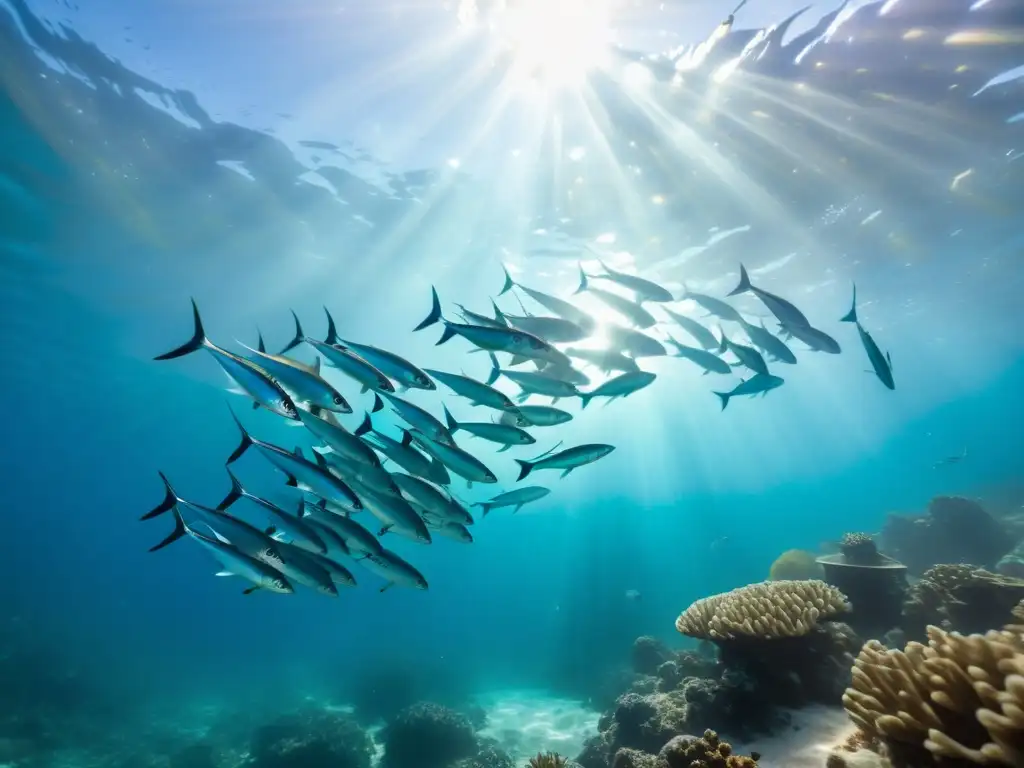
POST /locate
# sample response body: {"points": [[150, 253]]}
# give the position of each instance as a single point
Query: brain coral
{"points": [[795, 564], [771, 609]]}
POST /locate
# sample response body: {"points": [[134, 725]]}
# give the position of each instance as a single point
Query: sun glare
{"points": [[557, 41]]}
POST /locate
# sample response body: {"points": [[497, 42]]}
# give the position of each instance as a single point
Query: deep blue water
{"points": [[115, 212]]}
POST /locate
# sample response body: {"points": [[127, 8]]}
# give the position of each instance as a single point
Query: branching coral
{"points": [[959, 698], [961, 598], [771, 609], [548, 760]]}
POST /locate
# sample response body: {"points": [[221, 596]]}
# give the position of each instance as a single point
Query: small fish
{"points": [[560, 307], [536, 416], [717, 307], [448, 529], [882, 364], [475, 391], [645, 290], [339, 573], [951, 459], [291, 525], [817, 340], [554, 330], [633, 342], [301, 473], [769, 343], [700, 334], [628, 308], [491, 339], [402, 452], [235, 562], [516, 498], [622, 385], [786, 313], [758, 384], [457, 460], [394, 570], [301, 567], [395, 367], [475, 318], [634, 595], [423, 494], [395, 514], [505, 435], [534, 383], [302, 381], [354, 473], [748, 356], [345, 360], [253, 379], [606, 360], [567, 373], [339, 439], [710, 362], [420, 419], [355, 536], [567, 460]]}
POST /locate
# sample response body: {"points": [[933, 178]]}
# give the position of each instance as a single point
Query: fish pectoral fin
{"points": [[250, 590], [223, 573], [566, 472], [384, 530], [255, 405], [504, 448], [291, 482], [387, 586]]}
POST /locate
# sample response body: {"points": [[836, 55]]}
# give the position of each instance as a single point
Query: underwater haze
{"points": [[269, 158]]}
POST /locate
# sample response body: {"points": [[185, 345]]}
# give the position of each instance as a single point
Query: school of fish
{"points": [[347, 504]]}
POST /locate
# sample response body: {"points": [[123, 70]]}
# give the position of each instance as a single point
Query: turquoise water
{"points": [[149, 159]]}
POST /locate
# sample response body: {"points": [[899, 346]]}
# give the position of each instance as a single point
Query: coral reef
{"points": [[428, 736], [313, 738], [958, 701], [648, 654], [874, 583], [954, 530], [489, 755], [795, 565], [548, 760], [961, 598], [707, 751]]}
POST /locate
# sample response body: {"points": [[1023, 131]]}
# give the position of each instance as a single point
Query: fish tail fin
{"points": [[585, 398], [445, 336], [453, 425], [509, 282], [724, 398], [744, 285], [378, 404], [366, 427], [245, 442], [484, 508], [180, 529], [525, 468], [297, 339], [234, 494], [495, 370], [583, 281], [498, 314], [196, 342], [170, 501], [435, 311], [332, 329], [851, 316]]}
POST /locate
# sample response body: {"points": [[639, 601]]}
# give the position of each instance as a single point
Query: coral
{"points": [[771, 609], [957, 701], [794, 565], [313, 738], [548, 760], [635, 758], [954, 530], [649, 654], [706, 752], [859, 549], [489, 755], [961, 598], [427, 736]]}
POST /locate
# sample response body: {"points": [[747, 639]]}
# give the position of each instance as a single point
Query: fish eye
{"points": [[337, 399], [517, 339]]}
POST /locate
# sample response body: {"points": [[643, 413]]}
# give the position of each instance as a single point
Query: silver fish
{"points": [[628, 308], [505, 435], [710, 362], [342, 358], [882, 364], [815, 339], [340, 440], [645, 290], [534, 383], [700, 334], [302, 567], [564, 309], [717, 307], [633, 342], [355, 536], [475, 318], [475, 391], [252, 378], [759, 384], [516, 498], [420, 419], [303, 381], [623, 385], [301, 473], [403, 453], [606, 360], [395, 514], [392, 365], [339, 573], [450, 530], [422, 494], [786, 312], [567, 460], [769, 343], [554, 330], [457, 460], [748, 356], [536, 416], [291, 525], [354, 473], [394, 570]]}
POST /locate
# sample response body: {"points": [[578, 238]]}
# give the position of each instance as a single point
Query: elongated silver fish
{"points": [[748, 356], [394, 570], [422, 493], [475, 318], [628, 308], [645, 290], [567, 460], [234, 561], [301, 473], [710, 362], [398, 368], [340, 440], [713, 306], [564, 309], [457, 460], [533, 382], [623, 385], [291, 525], [354, 473], [815, 339], [785, 311], [252, 378], [302, 567], [356, 537], [339, 573], [420, 419], [633, 342], [475, 391], [605, 360], [395, 515], [492, 339], [759, 384], [882, 364], [302, 381], [769, 343], [506, 435], [700, 334], [403, 453], [342, 358], [448, 529], [517, 498], [554, 330], [536, 416]]}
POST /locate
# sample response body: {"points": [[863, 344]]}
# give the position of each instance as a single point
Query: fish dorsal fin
{"points": [[298, 452], [260, 346], [406, 438]]}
